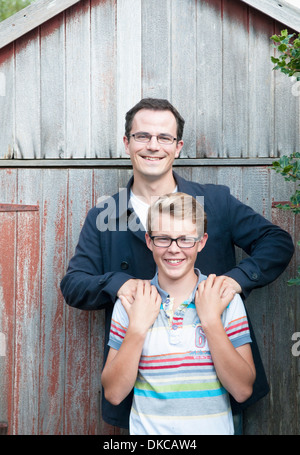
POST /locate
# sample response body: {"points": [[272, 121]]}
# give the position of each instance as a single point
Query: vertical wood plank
{"points": [[53, 267], [7, 102], [103, 79], [8, 194], [209, 79], [26, 384], [261, 86], [28, 109], [26, 381], [156, 49], [235, 77], [128, 63], [184, 68], [79, 399], [77, 93], [53, 88]]}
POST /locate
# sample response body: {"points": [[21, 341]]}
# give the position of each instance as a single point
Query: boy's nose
{"points": [[174, 247]]}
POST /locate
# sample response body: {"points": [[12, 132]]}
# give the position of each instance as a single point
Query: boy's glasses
{"points": [[182, 242]]}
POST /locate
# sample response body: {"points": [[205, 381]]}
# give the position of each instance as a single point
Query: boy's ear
{"points": [[148, 241], [202, 242]]}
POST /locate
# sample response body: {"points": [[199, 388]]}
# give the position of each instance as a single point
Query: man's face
{"points": [[152, 159], [174, 262]]}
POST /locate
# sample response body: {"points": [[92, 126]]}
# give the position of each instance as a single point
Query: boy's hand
{"points": [[211, 300], [145, 307]]}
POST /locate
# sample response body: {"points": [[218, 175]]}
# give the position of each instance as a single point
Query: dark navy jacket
{"points": [[105, 259]]}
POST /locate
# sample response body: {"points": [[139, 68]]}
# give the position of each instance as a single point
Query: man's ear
{"points": [[126, 144], [179, 146], [148, 241], [202, 242]]}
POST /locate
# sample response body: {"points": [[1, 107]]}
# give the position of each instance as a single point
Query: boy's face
{"points": [[174, 262]]}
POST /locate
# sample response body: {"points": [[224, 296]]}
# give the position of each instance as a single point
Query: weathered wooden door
{"points": [[20, 314]]}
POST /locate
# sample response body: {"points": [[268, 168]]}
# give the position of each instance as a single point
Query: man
{"points": [[107, 263], [181, 345]]}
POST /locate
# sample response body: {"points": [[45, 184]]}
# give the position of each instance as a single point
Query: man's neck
{"points": [[180, 289], [147, 190]]}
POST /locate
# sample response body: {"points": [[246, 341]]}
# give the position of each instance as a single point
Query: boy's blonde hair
{"points": [[181, 206]]}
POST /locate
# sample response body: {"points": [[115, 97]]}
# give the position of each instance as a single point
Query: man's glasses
{"points": [[182, 242], [165, 139]]}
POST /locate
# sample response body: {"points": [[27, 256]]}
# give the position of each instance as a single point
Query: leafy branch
{"points": [[288, 61], [289, 168]]}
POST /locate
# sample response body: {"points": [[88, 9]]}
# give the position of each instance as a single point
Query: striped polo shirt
{"points": [[177, 391]]}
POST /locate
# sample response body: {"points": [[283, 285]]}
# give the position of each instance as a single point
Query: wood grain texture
{"points": [[69, 83]]}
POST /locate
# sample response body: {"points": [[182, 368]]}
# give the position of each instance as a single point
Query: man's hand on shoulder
{"points": [[229, 285]]}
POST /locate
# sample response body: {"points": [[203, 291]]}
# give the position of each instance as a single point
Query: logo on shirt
{"points": [[200, 338]]}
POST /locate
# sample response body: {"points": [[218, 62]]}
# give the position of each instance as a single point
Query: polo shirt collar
{"points": [[164, 295]]}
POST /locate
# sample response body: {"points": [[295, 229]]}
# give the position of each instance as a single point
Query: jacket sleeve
{"points": [[85, 285], [269, 248]]}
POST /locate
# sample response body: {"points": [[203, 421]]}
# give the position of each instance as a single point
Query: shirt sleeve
{"points": [[235, 322], [119, 325]]}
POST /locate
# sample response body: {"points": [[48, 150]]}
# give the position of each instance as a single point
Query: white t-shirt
{"points": [[141, 208]]}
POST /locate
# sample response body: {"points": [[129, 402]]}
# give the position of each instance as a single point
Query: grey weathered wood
{"points": [[77, 89], [69, 163], [27, 98], [184, 62], [77, 326], [53, 75], [27, 316], [281, 10], [235, 73], [129, 69], [156, 35], [31, 17], [67, 93], [261, 87], [7, 104], [68, 86], [209, 121], [103, 79], [54, 218]]}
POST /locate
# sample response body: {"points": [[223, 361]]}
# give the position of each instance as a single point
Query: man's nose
{"points": [[153, 144]]}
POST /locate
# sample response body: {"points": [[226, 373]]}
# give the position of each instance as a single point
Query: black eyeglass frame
{"points": [[153, 237], [150, 136]]}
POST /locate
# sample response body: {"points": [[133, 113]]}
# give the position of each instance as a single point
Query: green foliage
{"points": [[289, 168], [10, 7], [288, 61]]}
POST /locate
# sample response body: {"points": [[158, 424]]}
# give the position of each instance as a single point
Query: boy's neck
{"points": [[181, 289], [147, 190]]}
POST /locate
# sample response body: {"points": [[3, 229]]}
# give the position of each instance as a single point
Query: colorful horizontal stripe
{"points": [[177, 390]]}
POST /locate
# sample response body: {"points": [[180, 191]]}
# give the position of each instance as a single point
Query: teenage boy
{"points": [[181, 344]]}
